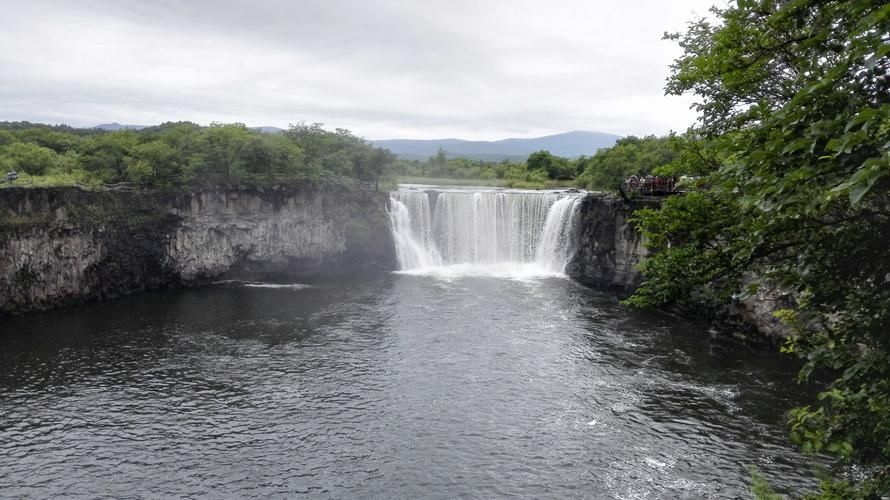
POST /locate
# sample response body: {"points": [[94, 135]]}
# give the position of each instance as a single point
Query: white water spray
{"points": [[412, 238], [484, 232], [557, 243]]}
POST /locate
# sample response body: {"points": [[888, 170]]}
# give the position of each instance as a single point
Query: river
{"points": [[441, 382]]}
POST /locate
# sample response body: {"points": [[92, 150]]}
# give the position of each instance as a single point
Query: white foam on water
{"points": [[259, 284], [504, 270], [282, 286]]}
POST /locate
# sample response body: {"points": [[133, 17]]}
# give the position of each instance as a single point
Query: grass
{"points": [[760, 488], [505, 183]]}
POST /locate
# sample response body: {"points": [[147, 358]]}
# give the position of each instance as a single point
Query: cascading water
{"points": [[413, 238], [556, 244], [517, 232]]}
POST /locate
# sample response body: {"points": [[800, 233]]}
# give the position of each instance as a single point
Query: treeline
{"points": [[537, 171], [602, 171], [184, 152]]}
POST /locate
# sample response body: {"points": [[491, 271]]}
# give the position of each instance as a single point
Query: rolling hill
{"points": [[569, 144], [117, 126]]}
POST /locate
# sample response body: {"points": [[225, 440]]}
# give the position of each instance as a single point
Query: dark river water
{"points": [[398, 386]]}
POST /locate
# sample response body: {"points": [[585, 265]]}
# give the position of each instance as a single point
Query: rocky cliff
{"points": [[608, 247], [63, 245]]}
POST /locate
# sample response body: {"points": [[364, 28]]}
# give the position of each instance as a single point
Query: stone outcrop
{"points": [[609, 249], [608, 246], [64, 245]]}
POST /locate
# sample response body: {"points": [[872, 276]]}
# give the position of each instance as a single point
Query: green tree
{"points": [[28, 158], [379, 164], [329, 153], [7, 137], [794, 141], [439, 163], [273, 155], [222, 146], [185, 137], [58, 141], [630, 155], [154, 162], [105, 155], [554, 166]]}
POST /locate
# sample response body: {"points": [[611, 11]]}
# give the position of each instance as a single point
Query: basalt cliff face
{"points": [[65, 245], [608, 246]]}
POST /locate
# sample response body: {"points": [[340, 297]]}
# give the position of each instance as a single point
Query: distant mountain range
{"points": [[268, 130], [117, 126], [569, 144]]}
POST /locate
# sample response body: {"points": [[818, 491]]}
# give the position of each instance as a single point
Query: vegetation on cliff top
{"points": [[793, 142], [185, 153], [178, 153], [603, 171]]}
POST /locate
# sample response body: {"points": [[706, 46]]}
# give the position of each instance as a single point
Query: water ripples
{"points": [[397, 387]]}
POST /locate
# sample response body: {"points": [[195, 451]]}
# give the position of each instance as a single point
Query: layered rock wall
{"points": [[64, 245], [608, 246]]}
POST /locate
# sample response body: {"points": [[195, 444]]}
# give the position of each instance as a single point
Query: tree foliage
{"points": [[175, 153], [629, 156], [554, 167], [794, 145], [604, 170], [29, 158]]}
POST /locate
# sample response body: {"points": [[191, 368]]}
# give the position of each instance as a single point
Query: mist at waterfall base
{"points": [[476, 372]]}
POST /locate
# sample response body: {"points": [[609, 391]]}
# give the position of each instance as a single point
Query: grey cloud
{"points": [[381, 68]]}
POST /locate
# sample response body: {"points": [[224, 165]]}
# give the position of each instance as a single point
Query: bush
{"points": [[28, 158]]}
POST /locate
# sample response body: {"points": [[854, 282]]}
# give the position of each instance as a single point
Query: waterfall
{"points": [[556, 244], [412, 235], [525, 232]]}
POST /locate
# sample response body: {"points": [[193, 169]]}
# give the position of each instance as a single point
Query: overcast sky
{"points": [[383, 69]]}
